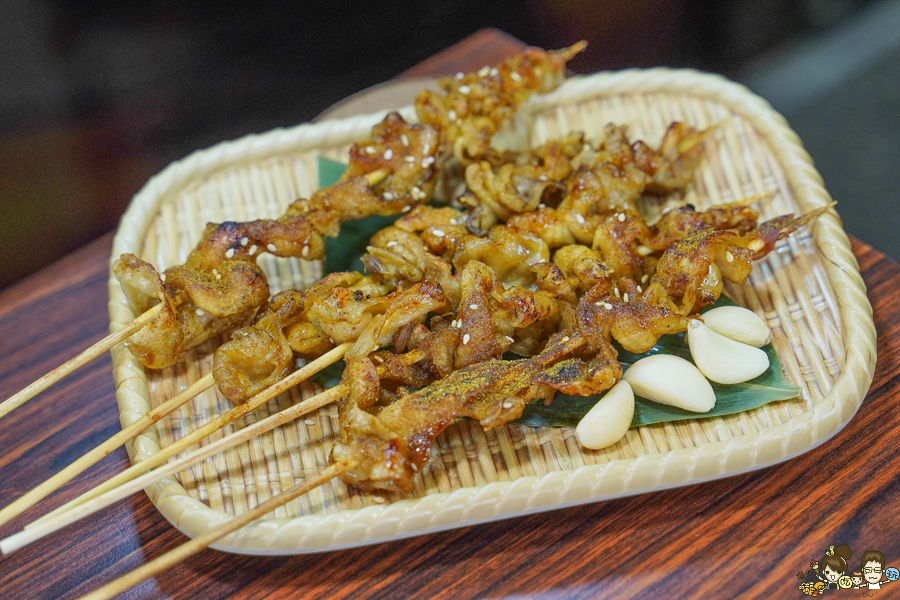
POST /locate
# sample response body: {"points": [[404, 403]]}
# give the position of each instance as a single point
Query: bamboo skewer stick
{"points": [[108, 342], [76, 363], [46, 526], [29, 499], [195, 436], [39, 530], [199, 543]]}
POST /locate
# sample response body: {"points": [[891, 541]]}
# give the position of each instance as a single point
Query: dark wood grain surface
{"points": [[748, 535]]}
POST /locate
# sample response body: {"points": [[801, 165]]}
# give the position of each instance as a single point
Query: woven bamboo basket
{"points": [[809, 291]]}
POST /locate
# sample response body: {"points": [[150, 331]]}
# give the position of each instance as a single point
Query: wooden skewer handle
{"points": [[74, 364], [199, 543], [29, 499], [39, 530], [195, 436]]}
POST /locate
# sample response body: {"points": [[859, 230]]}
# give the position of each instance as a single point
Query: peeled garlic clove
{"points": [[671, 380], [721, 359], [609, 419], [738, 324]]}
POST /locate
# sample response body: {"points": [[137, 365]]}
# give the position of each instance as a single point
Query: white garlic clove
{"points": [[724, 360], [608, 420], [738, 324], [671, 380]]}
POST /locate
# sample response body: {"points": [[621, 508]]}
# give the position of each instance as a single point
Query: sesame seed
{"points": [[621, 217], [607, 306], [406, 209], [484, 71], [542, 205], [729, 256], [473, 307], [598, 304], [507, 405], [387, 196], [388, 154], [464, 89], [427, 161], [460, 75], [579, 218], [565, 339], [305, 252], [640, 290], [451, 115], [466, 339], [454, 222], [218, 277], [616, 291], [542, 177], [514, 75], [199, 312], [252, 250], [371, 150], [586, 148], [229, 253], [245, 241], [271, 247], [510, 340], [391, 244], [494, 72], [625, 297], [404, 139], [162, 277], [378, 358], [215, 271], [409, 159], [458, 324], [426, 148], [378, 500], [438, 233], [309, 421], [645, 278]]}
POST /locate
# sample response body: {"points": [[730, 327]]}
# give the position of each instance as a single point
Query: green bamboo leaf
{"points": [[329, 171], [343, 252], [330, 376]]}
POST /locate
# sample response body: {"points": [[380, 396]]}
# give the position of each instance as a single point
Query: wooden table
{"points": [[747, 535]]}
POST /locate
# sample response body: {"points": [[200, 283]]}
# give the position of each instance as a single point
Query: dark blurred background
{"points": [[96, 97]]}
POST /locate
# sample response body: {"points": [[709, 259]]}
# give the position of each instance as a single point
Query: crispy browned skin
{"points": [[580, 179], [394, 444], [178, 327], [340, 308], [477, 104], [220, 284], [259, 355], [391, 434]]}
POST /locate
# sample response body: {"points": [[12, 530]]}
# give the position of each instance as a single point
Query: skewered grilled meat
{"points": [[476, 105], [339, 308], [392, 441], [220, 285]]}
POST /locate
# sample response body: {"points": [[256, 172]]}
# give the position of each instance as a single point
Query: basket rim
{"points": [[530, 494]]}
